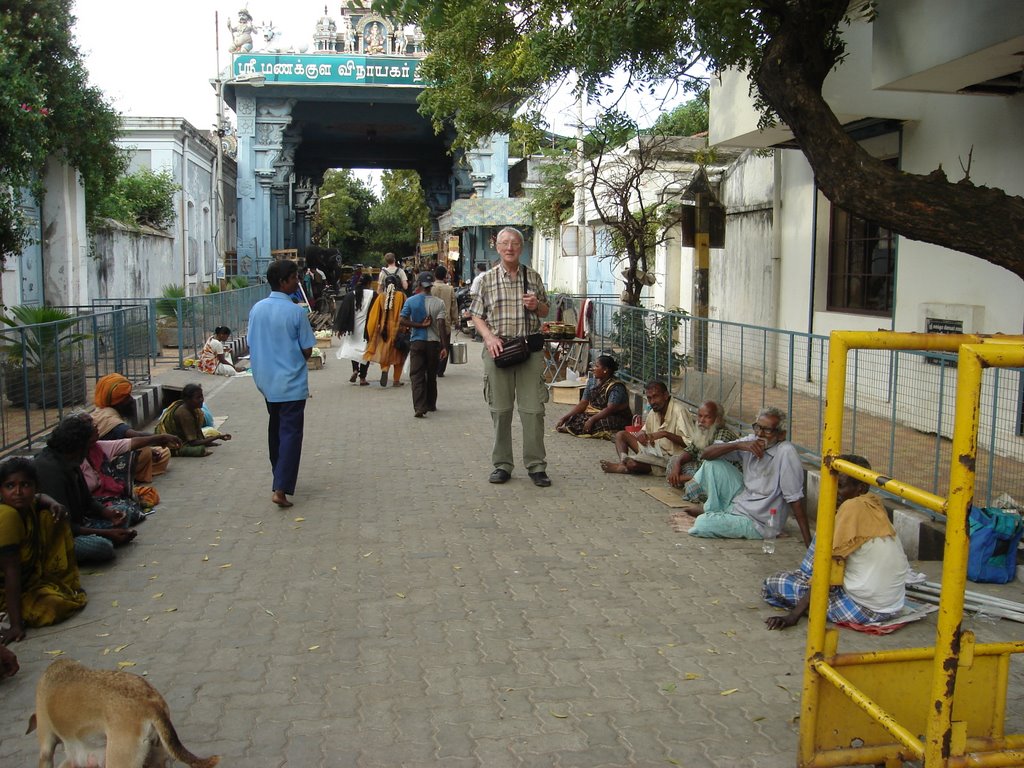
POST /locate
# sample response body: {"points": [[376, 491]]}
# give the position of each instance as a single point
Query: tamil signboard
{"points": [[329, 70]]}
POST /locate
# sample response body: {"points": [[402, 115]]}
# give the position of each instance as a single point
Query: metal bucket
{"points": [[458, 353]]}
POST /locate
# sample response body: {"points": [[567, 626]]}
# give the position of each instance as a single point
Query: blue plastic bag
{"points": [[995, 534]]}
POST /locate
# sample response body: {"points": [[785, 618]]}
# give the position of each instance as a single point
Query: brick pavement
{"points": [[406, 612]]}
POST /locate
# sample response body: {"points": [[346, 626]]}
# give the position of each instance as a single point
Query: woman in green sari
{"points": [[184, 418]]}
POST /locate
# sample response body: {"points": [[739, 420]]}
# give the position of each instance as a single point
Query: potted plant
{"points": [[173, 310], [43, 357]]}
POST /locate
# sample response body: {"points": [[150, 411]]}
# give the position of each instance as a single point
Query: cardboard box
{"points": [[324, 343], [314, 363], [570, 395]]}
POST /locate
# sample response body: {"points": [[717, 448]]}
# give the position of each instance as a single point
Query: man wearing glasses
{"points": [[739, 505]]}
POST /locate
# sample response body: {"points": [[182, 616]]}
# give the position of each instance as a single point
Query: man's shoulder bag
{"points": [[513, 352], [518, 349]]}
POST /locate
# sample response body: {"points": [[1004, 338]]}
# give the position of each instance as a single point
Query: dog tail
{"points": [[172, 744]]}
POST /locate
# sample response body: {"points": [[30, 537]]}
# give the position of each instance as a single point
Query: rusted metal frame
{"points": [[839, 346], [972, 359], [869, 705]]}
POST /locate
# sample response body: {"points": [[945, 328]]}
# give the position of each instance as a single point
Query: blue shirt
{"points": [[416, 310], [278, 332]]}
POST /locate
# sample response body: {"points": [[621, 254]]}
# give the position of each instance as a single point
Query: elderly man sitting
{"points": [[711, 428], [739, 505], [875, 565], [667, 429]]}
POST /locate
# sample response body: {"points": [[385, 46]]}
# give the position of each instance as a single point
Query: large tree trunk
{"points": [[983, 222]]}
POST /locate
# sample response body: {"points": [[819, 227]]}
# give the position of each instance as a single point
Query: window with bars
{"points": [[861, 265]]}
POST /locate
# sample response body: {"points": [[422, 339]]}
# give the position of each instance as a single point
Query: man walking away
{"points": [[426, 316], [280, 341], [445, 293]]}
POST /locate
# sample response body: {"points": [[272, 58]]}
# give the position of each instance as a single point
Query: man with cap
{"points": [[427, 316]]}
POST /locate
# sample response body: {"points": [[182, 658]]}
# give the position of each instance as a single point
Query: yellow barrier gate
{"points": [[943, 705]]}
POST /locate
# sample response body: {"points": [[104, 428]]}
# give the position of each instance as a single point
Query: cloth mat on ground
{"points": [[911, 611]]}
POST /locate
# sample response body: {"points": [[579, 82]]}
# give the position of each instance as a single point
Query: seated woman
{"points": [[97, 528], [214, 358], [113, 400], [107, 469], [604, 408], [39, 583], [184, 419]]}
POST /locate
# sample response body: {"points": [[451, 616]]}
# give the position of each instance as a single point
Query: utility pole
{"points": [[703, 195], [220, 218]]}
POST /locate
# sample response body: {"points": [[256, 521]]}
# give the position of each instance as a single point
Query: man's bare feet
{"points": [[614, 467], [693, 510], [281, 500]]}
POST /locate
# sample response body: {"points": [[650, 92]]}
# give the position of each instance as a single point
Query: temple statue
{"points": [[375, 40], [241, 35]]}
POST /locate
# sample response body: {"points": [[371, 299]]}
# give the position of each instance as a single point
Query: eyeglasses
{"points": [[762, 428]]}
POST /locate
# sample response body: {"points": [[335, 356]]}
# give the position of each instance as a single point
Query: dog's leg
{"points": [[127, 745], [48, 742]]}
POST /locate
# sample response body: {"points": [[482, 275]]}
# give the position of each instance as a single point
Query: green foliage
{"points": [[42, 333], [552, 202], [396, 221], [645, 342], [172, 303], [343, 221], [141, 198], [687, 119], [47, 109]]}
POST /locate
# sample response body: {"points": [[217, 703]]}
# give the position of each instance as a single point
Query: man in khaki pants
{"points": [[511, 302]]}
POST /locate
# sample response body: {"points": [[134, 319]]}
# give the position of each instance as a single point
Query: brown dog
{"points": [[79, 706]]}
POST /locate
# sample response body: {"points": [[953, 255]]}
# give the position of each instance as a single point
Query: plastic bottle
{"points": [[768, 543]]}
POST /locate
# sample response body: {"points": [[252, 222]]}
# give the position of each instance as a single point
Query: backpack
{"points": [[995, 534], [389, 279]]}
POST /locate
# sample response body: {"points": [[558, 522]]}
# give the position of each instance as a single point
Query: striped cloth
{"points": [[786, 588]]}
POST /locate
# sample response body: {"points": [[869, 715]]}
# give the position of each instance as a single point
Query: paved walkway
{"points": [[406, 612]]}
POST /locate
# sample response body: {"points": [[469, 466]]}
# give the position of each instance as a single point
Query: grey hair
{"points": [[719, 411], [522, 240], [775, 413]]}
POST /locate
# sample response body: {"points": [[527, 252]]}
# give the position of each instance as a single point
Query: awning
{"points": [[486, 212]]}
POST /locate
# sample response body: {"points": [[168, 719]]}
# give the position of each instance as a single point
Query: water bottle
{"points": [[768, 543]]}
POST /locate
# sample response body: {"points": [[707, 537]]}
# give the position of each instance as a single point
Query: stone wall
{"points": [[131, 263]]}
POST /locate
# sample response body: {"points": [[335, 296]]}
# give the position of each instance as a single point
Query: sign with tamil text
{"points": [[333, 70]]}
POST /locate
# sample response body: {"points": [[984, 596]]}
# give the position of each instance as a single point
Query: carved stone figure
{"points": [[401, 41], [375, 40], [241, 34], [274, 41], [348, 35]]}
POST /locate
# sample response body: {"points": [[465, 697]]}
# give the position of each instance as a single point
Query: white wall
{"points": [[64, 244], [134, 264]]}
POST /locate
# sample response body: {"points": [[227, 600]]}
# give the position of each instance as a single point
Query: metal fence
{"points": [[50, 369], [899, 405], [181, 326]]}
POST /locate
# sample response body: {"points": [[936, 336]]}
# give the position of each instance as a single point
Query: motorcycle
{"points": [[462, 302]]}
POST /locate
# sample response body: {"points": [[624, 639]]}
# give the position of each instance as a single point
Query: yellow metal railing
{"points": [[943, 705]]}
